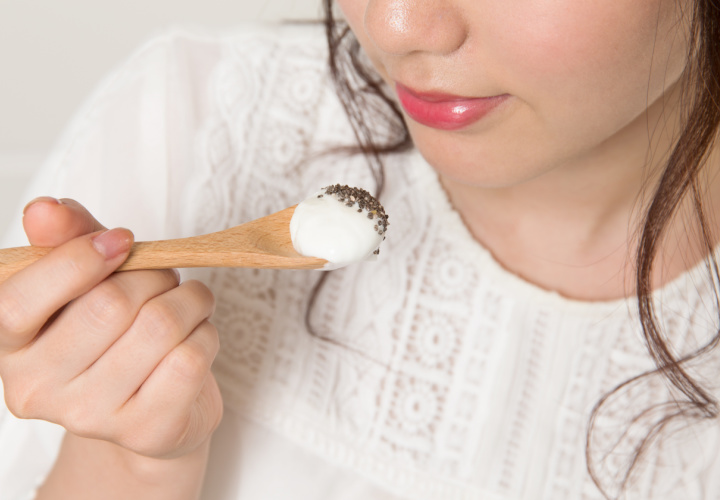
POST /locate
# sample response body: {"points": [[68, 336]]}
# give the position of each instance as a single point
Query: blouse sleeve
{"points": [[122, 156]]}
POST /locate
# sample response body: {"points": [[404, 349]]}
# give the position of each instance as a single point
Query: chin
{"points": [[488, 159], [482, 168]]}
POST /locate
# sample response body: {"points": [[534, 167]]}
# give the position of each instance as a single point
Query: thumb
{"points": [[50, 223]]}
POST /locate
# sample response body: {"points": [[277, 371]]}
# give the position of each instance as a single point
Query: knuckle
{"points": [[78, 263], [148, 437], [108, 303], [161, 320], [172, 276], [84, 413], [13, 320], [82, 420], [207, 341], [203, 294], [189, 362], [21, 398], [213, 339]]}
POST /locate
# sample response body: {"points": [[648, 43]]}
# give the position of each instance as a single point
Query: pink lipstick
{"points": [[444, 111]]}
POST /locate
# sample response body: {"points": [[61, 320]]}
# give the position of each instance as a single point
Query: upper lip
{"points": [[434, 95]]}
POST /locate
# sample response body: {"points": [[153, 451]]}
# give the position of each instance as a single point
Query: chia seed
{"points": [[365, 202]]}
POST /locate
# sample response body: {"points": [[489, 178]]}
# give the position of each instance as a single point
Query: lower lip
{"points": [[446, 112]]}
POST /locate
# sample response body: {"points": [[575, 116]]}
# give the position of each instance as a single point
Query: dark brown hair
{"points": [[679, 181], [375, 119], [363, 95]]}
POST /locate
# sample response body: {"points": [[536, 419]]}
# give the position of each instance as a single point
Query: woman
{"points": [[552, 144]]}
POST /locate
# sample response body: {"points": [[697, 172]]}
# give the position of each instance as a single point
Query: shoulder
{"points": [[197, 49], [196, 41], [184, 60]]}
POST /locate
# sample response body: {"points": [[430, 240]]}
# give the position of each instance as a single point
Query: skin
{"points": [[549, 181]]}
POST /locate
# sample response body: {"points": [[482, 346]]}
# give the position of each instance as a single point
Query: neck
{"points": [[573, 230]]}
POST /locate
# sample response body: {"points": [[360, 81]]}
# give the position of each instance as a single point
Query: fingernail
{"points": [[113, 242], [46, 199]]}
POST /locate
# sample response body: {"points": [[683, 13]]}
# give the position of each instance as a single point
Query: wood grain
{"points": [[263, 243]]}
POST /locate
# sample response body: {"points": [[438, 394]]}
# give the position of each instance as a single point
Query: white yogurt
{"points": [[334, 224]]}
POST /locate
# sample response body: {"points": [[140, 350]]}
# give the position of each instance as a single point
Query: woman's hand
{"points": [[124, 358]]}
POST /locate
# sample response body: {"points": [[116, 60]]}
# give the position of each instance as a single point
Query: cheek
{"points": [[589, 53]]}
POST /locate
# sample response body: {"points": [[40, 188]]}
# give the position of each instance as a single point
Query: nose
{"points": [[402, 27]]}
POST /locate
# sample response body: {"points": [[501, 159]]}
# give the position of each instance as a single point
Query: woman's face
{"points": [[497, 92]]}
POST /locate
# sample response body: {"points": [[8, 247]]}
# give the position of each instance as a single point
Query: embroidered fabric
{"points": [[430, 373]]}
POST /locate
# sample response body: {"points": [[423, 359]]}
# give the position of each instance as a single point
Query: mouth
{"points": [[445, 111]]}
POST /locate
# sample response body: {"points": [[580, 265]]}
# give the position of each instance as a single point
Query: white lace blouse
{"points": [[445, 376]]}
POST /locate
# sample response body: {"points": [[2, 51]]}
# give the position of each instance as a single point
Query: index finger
{"points": [[29, 298]]}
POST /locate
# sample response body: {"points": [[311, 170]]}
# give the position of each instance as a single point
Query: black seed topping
{"points": [[365, 202]]}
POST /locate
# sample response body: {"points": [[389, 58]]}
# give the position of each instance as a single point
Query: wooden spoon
{"points": [[263, 243]]}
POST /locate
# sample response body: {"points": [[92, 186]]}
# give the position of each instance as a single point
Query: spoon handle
{"points": [[167, 254], [183, 253]]}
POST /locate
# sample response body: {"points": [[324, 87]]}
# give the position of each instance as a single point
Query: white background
{"points": [[53, 52]]}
